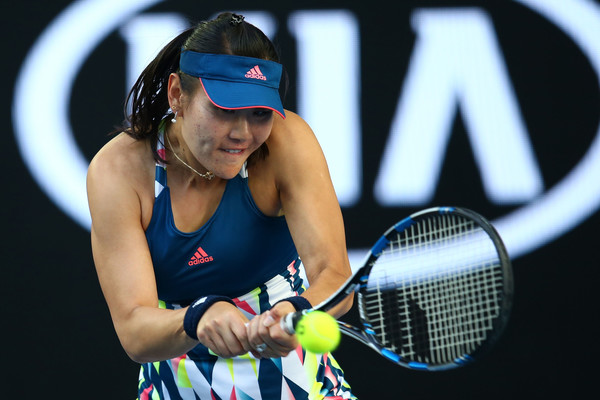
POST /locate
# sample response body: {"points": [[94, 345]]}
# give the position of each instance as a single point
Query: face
{"points": [[222, 140]]}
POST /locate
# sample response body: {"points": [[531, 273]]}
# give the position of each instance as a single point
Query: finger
{"points": [[216, 345], [286, 341], [235, 339], [264, 328], [256, 354], [258, 337], [221, 338], [274, 352], [279, 342], [240, 331], [254, 338], [269, 319], [256, 331]]}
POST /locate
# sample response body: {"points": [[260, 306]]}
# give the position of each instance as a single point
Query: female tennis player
{"points": [[205, 208]]}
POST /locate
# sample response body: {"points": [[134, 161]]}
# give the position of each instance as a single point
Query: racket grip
{"points": [[289, 321]]}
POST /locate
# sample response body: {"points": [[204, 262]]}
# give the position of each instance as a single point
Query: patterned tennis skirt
{"points": [[200, 374]]}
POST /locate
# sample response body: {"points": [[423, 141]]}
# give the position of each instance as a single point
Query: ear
{"points": [[174, 92]]}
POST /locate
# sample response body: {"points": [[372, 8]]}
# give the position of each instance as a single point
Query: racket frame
{"points": [[357, 283]]}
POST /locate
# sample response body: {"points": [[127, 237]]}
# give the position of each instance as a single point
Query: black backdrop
{"points": [[59, 340]]}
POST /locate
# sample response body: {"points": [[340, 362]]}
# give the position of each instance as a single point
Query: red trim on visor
{"points": [[237, 108]]}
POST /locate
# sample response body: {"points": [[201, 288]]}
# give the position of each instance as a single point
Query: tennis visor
{"points": [[235, 82]]}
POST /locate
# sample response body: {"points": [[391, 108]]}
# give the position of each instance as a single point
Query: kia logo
{"points": [[49, 149]]}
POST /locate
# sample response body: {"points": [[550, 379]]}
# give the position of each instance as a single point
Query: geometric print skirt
{"points": [[200, 374]]}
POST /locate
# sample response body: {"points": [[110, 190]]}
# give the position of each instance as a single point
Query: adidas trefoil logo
{"points": [[255, 73], [199, 257]]}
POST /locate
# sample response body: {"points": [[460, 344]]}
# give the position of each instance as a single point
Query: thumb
{"points": [[271, 318]]}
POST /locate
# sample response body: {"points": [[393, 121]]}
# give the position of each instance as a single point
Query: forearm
{"points": [[323, 284], [150, 334]]}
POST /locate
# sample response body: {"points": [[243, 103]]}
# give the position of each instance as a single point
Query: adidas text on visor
{"points": [[235, 82]]}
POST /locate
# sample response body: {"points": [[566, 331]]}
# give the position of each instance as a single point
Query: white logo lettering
{"points": [[328, 92], [49, 150], [577, 196], [46, 142], [457, 66]]}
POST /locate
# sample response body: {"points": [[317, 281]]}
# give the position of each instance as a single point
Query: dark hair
{"points": [[148, 96]]}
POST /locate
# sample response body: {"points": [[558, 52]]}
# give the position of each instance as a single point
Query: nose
{"points": [[241, 128]]}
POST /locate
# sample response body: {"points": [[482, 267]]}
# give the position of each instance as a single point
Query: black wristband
{"points": [[196, 310], [300, 303]]}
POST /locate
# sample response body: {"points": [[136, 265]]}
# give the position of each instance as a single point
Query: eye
{"points": [[263, 113], [218, 110], [226, 111]]}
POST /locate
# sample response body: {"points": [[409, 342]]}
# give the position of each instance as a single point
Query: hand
{"points": [[266, 329], [222, 329]]}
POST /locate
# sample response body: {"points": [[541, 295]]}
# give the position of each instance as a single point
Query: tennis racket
{"points": [[434, 292]]}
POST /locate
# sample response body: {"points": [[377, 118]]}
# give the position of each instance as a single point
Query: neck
{"points": [[208, 175]]}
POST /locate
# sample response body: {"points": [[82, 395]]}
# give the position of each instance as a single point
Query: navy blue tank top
{"points": [[237, 249]]}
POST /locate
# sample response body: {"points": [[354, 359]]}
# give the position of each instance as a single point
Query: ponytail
{"points": [[148, 96]]}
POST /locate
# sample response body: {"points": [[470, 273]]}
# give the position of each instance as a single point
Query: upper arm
{"points": [[309, 201], [119, 245]]}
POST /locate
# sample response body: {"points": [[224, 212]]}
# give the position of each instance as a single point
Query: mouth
{"points": [[233, 151]]}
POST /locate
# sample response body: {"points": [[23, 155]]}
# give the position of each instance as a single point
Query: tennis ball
{"points": [[318, 332]]}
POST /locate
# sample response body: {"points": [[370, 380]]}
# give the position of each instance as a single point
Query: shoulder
{"points": [[292, 145], [293, 150], [122, 156], [291, 128], [123, 165], [292, 135]]}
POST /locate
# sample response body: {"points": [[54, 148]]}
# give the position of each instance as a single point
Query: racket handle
{"points": [[289, 322]]}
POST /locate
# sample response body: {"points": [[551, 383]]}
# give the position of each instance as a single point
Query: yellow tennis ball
{"points": [[318, 332]]}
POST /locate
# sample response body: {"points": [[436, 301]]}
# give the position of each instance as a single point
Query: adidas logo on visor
{"points": [[255, 73]]}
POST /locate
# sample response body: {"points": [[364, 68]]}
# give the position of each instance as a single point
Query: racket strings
{"points": [[436, 290]]}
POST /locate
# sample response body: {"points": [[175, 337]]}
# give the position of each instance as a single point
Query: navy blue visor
{"points": [[235, 82]]}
